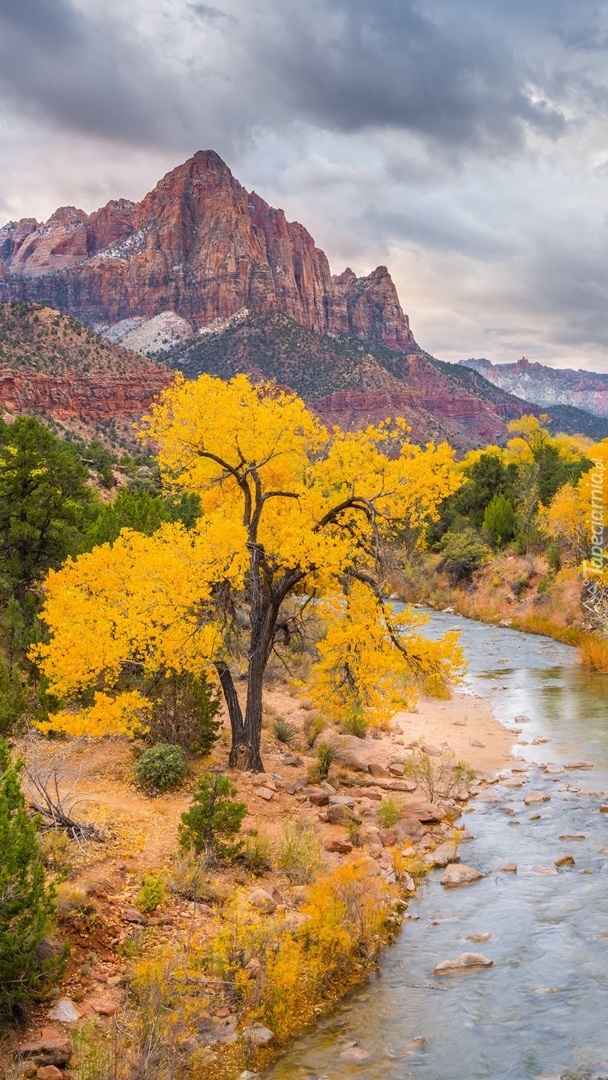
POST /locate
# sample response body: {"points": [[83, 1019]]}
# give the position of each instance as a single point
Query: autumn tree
{"points": [[290, 512]]}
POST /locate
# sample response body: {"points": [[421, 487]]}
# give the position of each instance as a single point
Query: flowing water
{"points": [[542, 1009]]}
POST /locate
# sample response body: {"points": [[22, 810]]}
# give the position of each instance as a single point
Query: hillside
{"points": [[54, 367], [351, 383]]}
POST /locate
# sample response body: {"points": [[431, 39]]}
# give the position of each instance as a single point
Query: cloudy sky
{"points": [[464, 143]]}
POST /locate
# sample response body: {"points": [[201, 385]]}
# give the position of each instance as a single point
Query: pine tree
{"points": [[26, 904]]}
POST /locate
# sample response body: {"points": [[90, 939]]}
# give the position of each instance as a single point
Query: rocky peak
{"points": [[201, 246], [66, 216], [347, 277]]}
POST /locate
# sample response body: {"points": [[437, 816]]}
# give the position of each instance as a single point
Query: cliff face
{"points": [[547, 386], [199, 245], [52, 366]]}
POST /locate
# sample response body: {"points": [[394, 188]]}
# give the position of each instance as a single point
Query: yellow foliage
{"points": [[288, 507], [283, 974], [361, 639]]}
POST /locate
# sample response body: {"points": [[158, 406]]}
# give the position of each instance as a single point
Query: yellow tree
{"points": [[290, 511]]}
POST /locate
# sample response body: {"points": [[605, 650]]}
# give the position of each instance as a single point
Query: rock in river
{"points": [[458, 874], [464, 962]]}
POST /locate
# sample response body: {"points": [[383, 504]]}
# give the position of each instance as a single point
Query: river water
{"points": [[542, 1009]]}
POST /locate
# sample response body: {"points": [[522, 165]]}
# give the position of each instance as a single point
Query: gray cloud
{"points": [[345, 65], [462, 142]]}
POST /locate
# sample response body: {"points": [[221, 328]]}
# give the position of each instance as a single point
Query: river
{"points": [[542, 1010]]}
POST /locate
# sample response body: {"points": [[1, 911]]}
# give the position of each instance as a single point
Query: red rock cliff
{"points": [[198, 244]]}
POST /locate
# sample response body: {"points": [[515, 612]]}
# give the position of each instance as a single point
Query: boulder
{"points": [[426, 812], [458, 874], [396, 768], [442, 855], [292, 759], [337, 815], [258, 1035], [375, 769], [409, 828], [478, 939], [342, 847], [354, 1053], [564, 860], [262, 901], [465, 962], [317, 796], [264, 780], [388, 837], [50, 1049], [265, 792], [507, 868], [292, 786], [49, 1072], [342, 800], [578, 765], [65, 1011], [132, 915], [103, 1006], [547, 871], [532, 798]]}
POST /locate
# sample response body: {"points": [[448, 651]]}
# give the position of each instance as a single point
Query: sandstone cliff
{"points": [[199, 245], [54, 367]]}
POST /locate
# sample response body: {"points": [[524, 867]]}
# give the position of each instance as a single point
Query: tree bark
{"points": [[253, 710], [234, 712]]}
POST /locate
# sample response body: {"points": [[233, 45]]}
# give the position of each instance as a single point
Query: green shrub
{"points": [[389, 812], [284, 731], [160, 768], [325, 755], [499, 520], [299, 851], [355, 724], [26, 904], [213, 819], [257, 852], [313, 726], [152, 893], [55, 850], [463, 552], [13, 699]]}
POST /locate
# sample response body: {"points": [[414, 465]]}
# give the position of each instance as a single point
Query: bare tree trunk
{"points": [[253, 710], [234, 712]]}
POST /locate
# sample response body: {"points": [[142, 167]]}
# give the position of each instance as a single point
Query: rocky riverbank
{"points": [[369, 817]]}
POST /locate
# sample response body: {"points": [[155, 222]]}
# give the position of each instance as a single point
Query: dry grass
{"points": [[593, 652]]}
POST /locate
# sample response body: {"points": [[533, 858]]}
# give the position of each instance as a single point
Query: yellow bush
{"points": [[283, 974]]}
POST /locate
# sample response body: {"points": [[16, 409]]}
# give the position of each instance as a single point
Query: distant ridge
{"points": [[546, 386]]}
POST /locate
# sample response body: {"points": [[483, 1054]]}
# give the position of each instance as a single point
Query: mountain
{"points": [[547, 386], [54, 367], [206, 276], [350, 382], [198, 245]]}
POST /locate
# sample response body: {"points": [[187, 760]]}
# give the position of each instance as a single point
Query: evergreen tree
{"points": [[26, 904], [214, 818], [499, 520], [44, 503]]}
